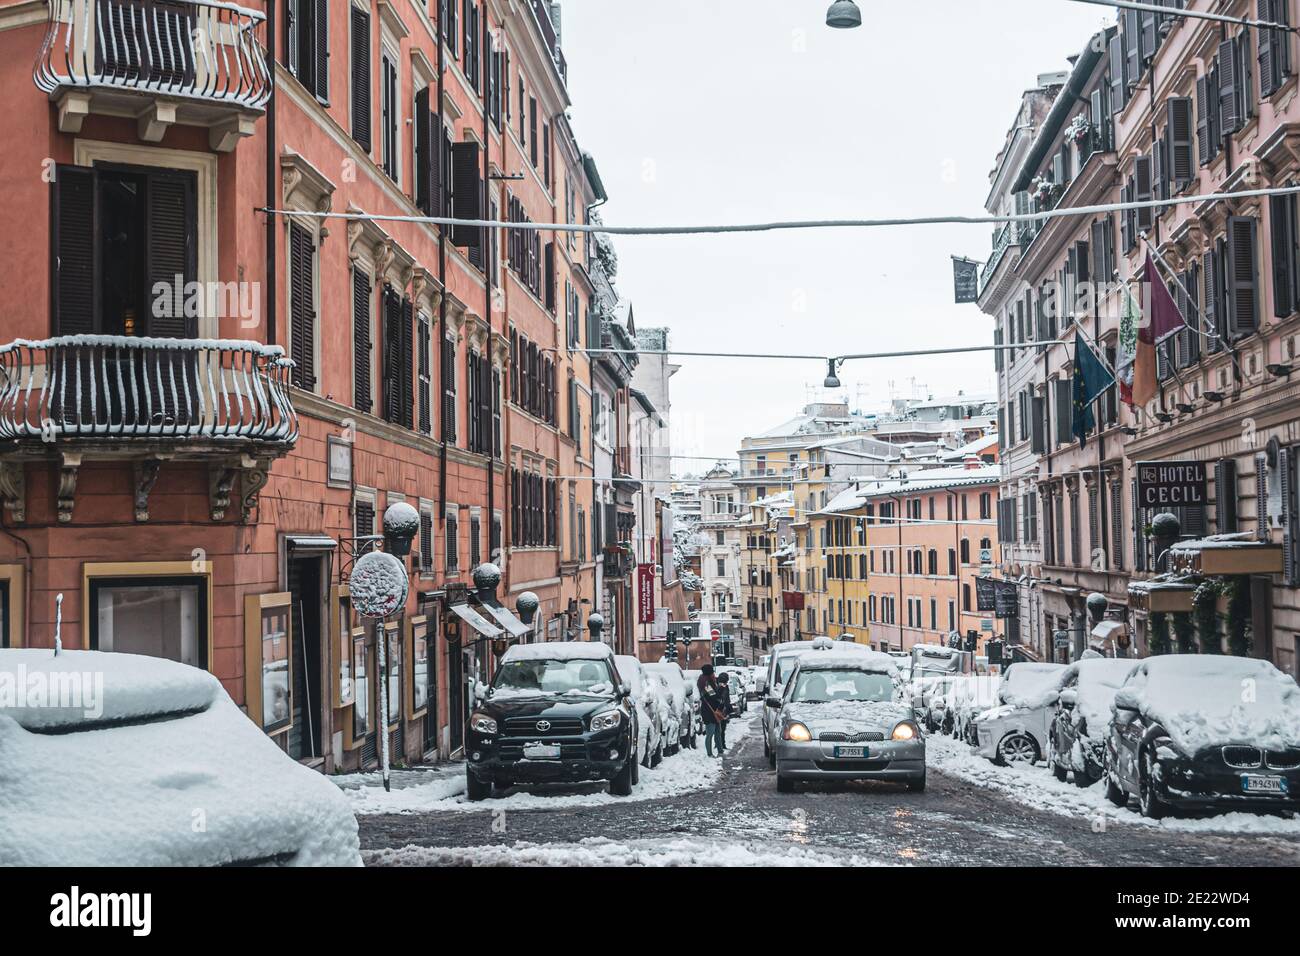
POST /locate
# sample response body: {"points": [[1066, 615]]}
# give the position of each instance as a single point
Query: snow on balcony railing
{"points": [[204, 50], [106, 387]]}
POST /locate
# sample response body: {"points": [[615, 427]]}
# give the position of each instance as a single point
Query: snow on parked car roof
{"points": [[1030, 684], [1099, 678], [558, 651], [1203, 700], [111, 687], [865, 660], [128, 794]]}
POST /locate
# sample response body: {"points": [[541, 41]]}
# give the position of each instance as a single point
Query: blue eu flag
{"points": [[1091, 378]]}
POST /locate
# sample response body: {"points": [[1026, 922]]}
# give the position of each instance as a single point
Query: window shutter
{"points": [[548, 278], [1210, 303], [406, 375], [171, 244], [361, 77], [1286, 462], [1241, 275], [1139, 532], [74, 251], [291, 27], [361, 340], [1230, 119], [1261, 497], [1225, 495], [1037, 426], [1142, 177], [1118, 91], [425, 148], [1267, 66], [391, 345], [1149, 37], [466, 194], [1204, 145], [1282, 223], [302, 314], [1179, 117], [1132, 48], [1192, 280], [322, 23], [1159, 175], [423, 343]]}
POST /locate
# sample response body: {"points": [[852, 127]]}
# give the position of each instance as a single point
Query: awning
{"points": [[516, 627], [310, 542], [1226, 554], [1154, 595], [1107, 630], [476, 620]]}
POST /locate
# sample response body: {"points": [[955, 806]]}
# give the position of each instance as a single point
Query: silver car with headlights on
{"points": [[846, 717]]}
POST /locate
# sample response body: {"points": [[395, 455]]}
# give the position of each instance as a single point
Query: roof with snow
{"points": [[558, 651]]}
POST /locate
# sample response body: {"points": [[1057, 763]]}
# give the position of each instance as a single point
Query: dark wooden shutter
{"points": [[548, 267], [322, 72], [1268, 80], [361, 91], [1230, 118], [362, 342], [406, 373], [1225, 495], [364, 519], [448, 376], [1149, 38], [293, 16], [466, 194], [424, 393], [392, 356], [1286, 463], [1037, 426], [1282, 229], [1159, 169], [425, 148], [1179, 116], [74, 251], [1192, 280], [1143, 176], [1242, 277], [1204, 145], [1132, 47], [302, 312], [172, 244], [1117, 88]]}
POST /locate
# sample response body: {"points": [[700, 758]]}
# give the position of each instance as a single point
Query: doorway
{"points": [[306, 581]]}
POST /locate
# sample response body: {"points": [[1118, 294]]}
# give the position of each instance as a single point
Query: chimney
{"points": [[972, 460]]}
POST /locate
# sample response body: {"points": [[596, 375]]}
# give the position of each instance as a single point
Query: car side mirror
{"points": [[760, 684], [625, 689], [774, 702], [1068, 698], [1125, 699]]}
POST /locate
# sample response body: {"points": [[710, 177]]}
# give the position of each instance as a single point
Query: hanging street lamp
{"points": [[844, 15]]}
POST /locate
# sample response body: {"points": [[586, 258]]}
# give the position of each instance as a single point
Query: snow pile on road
{"points": [[1202, 701], [179, 788], [684, 772], [598, 851], [1037, 789]]}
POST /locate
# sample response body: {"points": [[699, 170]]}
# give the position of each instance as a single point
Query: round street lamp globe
{"points": [[401, 525], [844, 15], [487, 575], [527, 604], [378, 584]]}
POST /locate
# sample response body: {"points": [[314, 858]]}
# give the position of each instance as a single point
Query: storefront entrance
{"points": [[306, 587]]}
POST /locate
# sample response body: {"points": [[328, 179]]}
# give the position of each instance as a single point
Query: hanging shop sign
{"points": [[985, 594], [1170, 484], [965, 280], [1006, 600], [645, 593]]}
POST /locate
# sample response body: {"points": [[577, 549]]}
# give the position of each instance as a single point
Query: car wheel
{"points": [[476, 789], [916, 785], [1085, 778], [1149, 802], [783, 784], [1017, 748], [1114, 792], [621, 785]]}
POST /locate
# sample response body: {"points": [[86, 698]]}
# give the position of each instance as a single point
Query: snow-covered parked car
{"points": [[736, 678], [681, 697], [846, 717], [692, 678], [1205, 732], [1077, 737], [650, 709], [1015, 731], [139, 753]]}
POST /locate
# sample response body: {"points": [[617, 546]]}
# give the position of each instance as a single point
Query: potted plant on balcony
{"points": [[1080, 130], [1043, 190]]}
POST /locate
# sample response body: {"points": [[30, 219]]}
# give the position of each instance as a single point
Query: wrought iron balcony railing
{"points": [[111, 388], [201, 50]]}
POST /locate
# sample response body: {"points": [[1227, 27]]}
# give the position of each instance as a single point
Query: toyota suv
{"points": [[555, 713]]}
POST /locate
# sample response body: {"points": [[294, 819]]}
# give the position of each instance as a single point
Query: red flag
{"points": [[1160, 317]]}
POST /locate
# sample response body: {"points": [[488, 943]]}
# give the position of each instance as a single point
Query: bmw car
{"points": [[846, 717]]}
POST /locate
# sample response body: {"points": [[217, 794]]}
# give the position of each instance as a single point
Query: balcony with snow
{"points": [[139, 402], [161, 62]]}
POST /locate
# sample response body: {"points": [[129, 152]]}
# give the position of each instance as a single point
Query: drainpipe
{"points": [[272, 177], [442, 299], [488, 256]]}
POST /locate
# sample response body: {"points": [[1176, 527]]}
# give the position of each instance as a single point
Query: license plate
{"points": [[849, 752], [1262, 783], [541, 751]]}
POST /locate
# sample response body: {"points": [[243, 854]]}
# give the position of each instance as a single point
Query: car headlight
{"points": [[797, 731], [483, 724], [606, 720], [903, 731]]}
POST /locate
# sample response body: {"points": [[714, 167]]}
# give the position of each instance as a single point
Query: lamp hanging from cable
{"points": [[832, 380], [844, 15]]}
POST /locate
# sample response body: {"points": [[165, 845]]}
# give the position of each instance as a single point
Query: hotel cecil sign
{"points": [[1170, 484]]}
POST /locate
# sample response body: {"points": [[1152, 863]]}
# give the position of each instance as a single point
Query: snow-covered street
{"points": [[695, 812]]}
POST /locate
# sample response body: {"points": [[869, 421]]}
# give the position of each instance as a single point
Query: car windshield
{"points": [[784, 665], [571, 676], [824, 685]]}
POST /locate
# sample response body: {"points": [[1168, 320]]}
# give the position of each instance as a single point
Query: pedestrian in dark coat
{"points": [[711, 708], [728, 709]]}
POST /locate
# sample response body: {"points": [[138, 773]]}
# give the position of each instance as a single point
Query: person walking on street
{"points": [[728, 710], [711, 712]]}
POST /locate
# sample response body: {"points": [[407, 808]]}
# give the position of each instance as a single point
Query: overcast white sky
{"points": [[708, 111]]}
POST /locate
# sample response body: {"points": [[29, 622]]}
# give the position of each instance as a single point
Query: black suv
{"points": [[556, 713]]}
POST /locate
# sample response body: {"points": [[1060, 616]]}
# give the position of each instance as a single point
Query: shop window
{"points": [[268, 646], [149, 609]]}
